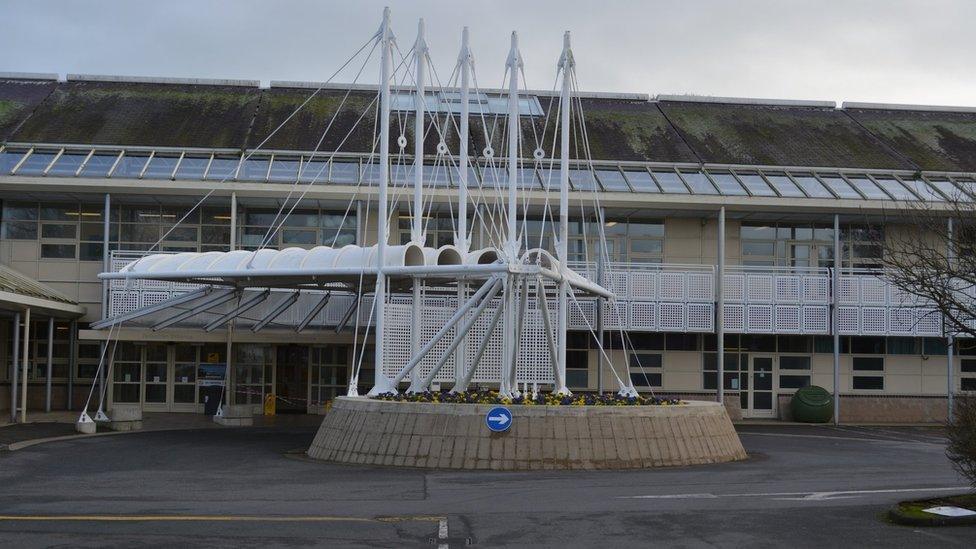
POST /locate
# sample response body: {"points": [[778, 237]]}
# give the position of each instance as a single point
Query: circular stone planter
{"points": [[359, 430]]}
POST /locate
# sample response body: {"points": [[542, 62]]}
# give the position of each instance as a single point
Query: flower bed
{"points": [[547, 399]]}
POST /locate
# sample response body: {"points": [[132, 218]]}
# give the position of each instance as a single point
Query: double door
{"points": [[755, 383]]}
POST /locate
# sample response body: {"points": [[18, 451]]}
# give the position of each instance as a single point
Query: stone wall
{"points": [[882, 409], [454, 436]]}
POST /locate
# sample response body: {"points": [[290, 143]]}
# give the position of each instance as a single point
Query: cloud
{"points": [[866, 50]]}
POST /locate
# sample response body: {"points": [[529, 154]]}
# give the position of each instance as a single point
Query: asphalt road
{"points": [[803, 487]]}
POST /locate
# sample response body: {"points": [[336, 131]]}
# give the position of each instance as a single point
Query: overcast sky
{"points": [[856, 50]]}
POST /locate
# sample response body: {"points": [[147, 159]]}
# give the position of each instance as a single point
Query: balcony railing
{"points": [[650, 298]]}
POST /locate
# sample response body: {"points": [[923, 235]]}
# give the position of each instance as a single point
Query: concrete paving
{"points": [[804, 486]]}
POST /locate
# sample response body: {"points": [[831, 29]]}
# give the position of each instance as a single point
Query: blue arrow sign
{"points": [[498, 419]]}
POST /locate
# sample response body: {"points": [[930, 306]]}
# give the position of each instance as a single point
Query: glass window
{"points": [[933, 346], [68, 164], [902, 346], [784, 185], [699, 183], [192, 167], [641, 181], [99, 165], [59, 230], [9, 159], [867, 188], [344, 173], [868, 382], [612, 180], [867, 345], [793, 344], [222, 168], [894, 188], [793, 382], [254, 169], [284, 169], [925, 191], [756, 184], [727, 183], [794, 363], [581, 180], [840, 187], [131, 165], [812, 186], [670, 182], [58, 251], [161, 167], [36, 163], [951, 191], [868, 364]]}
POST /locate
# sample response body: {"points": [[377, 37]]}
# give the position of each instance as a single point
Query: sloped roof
{"points": [[933, 140], [774, 135], [17, 99], [135, 113], [18, 290]]}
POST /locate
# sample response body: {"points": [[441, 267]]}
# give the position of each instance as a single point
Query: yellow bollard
{"points": [[269, 405]]}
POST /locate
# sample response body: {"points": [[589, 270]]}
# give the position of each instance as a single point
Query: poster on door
{"points": [[211, 375]]}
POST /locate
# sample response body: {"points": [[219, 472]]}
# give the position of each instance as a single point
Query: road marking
{"points": [[213, 518], [885, 440], [800, 496], [442, 534]]}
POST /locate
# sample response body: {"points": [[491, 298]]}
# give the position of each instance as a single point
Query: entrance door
{"points": [[760, 388], [291, 379]]}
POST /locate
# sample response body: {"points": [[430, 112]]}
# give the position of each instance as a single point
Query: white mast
{"points": [[465, 60], [381, 382], [507, 386], [566, 65], [417, 226]]}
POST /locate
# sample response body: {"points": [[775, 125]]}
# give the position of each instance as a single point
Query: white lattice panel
{"points": [[759, 319], [788, 319], [157, 285], [671, 286], [396, 338], [672, 317], [874, 320], [643, 285], [816, 319], [490, 365], [735, 288], [617, 283], [152, 298], [701, 287], [433, 319], [872, 291], [928, 322], [789, 288], [901, 320], [759, 288], [901, 298], [579, 318], [700, 317], [615, 315], [849, 290], [643, 316], [734, 320], [847, 320], [534, 359], [121, 301], [816, 289]]}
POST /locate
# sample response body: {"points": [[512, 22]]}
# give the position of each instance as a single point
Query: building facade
{"points": [[95, 171]]}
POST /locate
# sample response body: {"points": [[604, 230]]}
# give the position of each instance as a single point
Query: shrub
{"points": [[961, 433]]}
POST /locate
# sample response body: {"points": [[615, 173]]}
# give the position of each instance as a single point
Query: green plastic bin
{"points": [[812, 404]]}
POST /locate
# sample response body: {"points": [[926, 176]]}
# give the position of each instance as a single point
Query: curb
{"points": [[895, 515], [20, 445]]}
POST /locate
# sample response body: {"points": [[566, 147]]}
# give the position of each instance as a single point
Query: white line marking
{"points": [[442, 533], [800, 496]]}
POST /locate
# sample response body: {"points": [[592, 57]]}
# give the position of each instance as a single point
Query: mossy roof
{"points": [[940, 141], [632, 130], [303, 131], [134, 114], [17, 99], [778, 135]]}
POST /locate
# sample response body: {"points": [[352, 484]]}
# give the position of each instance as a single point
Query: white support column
{"points": [[461, 242], [720, 309], [24, 365], [381, 383], [417, 222], [14, 364], [950, 339], [233, 221], [566, 65], [106, 267], [833, 323], [514, 65], [72, 363], [50, 357]]}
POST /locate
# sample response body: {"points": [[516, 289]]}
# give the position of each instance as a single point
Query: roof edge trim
{"points": [[30, 75], [162, 80], [905, 107], [746, 101], [373, 87]]}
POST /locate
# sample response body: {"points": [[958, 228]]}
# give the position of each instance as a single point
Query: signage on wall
{"points": [[498, 419], [213, 357], [211, 375]]}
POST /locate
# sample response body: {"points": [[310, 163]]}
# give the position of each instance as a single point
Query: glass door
{"points": [[761, 398], [291, 379]]}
